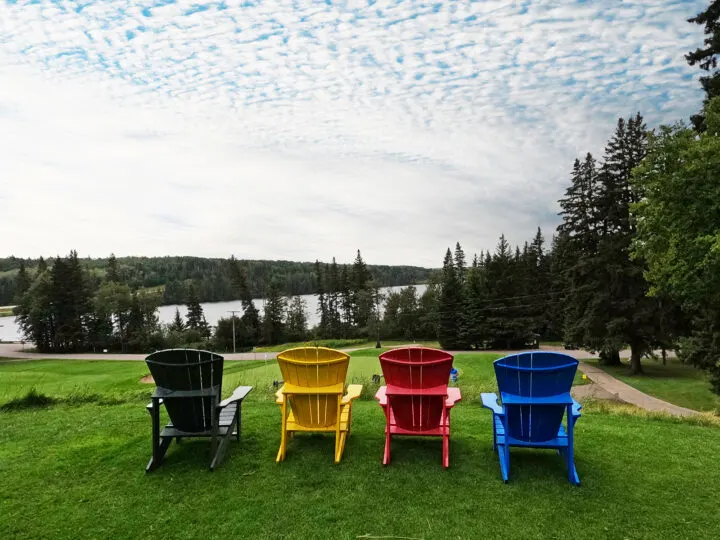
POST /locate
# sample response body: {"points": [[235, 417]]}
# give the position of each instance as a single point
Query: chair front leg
{"points": [[283, 431], [338, 442], [159, 447]]}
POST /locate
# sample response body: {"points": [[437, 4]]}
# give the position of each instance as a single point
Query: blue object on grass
{"points": [[535, 394]]}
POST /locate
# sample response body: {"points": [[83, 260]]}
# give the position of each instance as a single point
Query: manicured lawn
{"points": [[343, 344], [77, 471], [675, 382]]}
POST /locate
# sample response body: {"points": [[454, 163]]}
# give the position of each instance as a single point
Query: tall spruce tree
{"points": [[450, 305], [274, 314], [70, 298], [631, 316], [296, 319], [361, 293], [250, 320], [706, 58], [324, 326], [475, 298], [22, 282], [112, 273], [582, 274], [195, 315], [177, 325]]}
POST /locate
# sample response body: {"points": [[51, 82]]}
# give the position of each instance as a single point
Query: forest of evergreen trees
{"points": [[175, 276], [635, 262]]}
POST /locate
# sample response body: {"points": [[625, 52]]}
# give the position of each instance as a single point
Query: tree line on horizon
{"points": [[172, 278]]}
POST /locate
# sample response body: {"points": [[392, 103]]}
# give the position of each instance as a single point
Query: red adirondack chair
{"points": [[416, 399]]}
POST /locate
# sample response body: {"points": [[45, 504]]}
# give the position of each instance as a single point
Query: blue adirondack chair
{"points": [[535, 394]]}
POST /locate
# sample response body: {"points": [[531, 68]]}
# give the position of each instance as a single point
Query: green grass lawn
{"points": [[76, 470], [342, 344], [675, 382]]}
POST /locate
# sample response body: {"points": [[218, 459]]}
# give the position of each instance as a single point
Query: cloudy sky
{"points": [[301, 130]]}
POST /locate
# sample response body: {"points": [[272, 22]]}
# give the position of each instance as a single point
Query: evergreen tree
{"points": [[582, 274], [42, 266], [112, 273], [296, 325], [324, 326], [70, 300], [177, 325], [346, 308], [630, 316], [707, 58], [362, 300], [22, 282], [35, 315], [333, 300], [475, 300], [195, 315], [408, 316], [450, 306], [460, 262], [113, 301], [273, 317]]}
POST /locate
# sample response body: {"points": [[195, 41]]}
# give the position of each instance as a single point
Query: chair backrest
{"points": [[535, 374], [188, 369], [420, 377], [314, 368]]}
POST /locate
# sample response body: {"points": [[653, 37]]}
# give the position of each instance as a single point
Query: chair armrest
{"points": [[381, 396], [353, 392], [453, 396], [279, 396], [576, 409], [489, 401], [238, 395]]}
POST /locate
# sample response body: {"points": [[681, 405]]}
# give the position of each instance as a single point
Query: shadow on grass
{"points": [[37, 400]]}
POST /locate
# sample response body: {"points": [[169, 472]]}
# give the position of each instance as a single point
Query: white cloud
{"points": [[284, 130]]}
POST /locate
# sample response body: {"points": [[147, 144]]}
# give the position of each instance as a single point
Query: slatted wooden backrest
{"points": [[314, 368], [188, 369], [536, 374], [418, 370]]}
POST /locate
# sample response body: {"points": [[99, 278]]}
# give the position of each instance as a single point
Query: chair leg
{"points": [[504, 455], [569, 456], [446, 451], [386, 456], [159, 444], [283, 434], [159, 452], [341, 447], [220, 452], [238, 421]]}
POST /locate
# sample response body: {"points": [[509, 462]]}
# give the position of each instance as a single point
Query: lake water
{"points": [[214, 311]]}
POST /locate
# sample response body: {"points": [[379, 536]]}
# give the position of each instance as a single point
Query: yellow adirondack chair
{"points": [[313, 396]]}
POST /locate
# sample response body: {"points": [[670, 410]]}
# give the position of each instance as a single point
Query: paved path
{"points": [[628, 394]]}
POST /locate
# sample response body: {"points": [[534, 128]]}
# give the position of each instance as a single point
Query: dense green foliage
{"points": [[172, 276], [502, 301], [606, 301], [679, 229]]}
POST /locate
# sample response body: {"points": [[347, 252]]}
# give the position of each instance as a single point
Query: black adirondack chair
{"points": [[189, 385]]}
